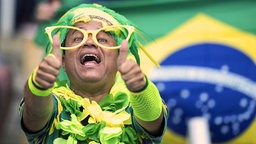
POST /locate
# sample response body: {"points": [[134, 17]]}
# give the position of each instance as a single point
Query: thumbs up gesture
{"points": [[130, 70], [48, 69]]}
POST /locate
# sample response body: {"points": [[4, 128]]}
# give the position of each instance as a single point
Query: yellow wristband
{"points": [[52, 55], [34, 77], [36, 90]]}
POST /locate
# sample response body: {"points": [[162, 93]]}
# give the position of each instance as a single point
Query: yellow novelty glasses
{"points": [[108, 37]]}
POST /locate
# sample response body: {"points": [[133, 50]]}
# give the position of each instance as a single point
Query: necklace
{"points": [[108, 121]]}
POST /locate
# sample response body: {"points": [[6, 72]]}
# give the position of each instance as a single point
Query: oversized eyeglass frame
{"points": [[85, 33]]}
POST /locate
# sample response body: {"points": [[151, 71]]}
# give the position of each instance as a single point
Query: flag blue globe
{"points": [[211, 80]]}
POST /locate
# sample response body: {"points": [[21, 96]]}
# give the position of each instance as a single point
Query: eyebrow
{"points": [[74, 32]]}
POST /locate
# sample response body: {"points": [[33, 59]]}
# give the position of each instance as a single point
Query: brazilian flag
{"points": [[207, 53]]}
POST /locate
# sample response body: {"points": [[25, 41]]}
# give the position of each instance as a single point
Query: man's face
{"points": [[90, 64]]}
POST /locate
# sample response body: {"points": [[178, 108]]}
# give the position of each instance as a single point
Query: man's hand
{"points": [[130, 70], [38, 108], [48, 69]]}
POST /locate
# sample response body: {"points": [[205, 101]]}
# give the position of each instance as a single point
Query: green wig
{"points": [[87, 12]]}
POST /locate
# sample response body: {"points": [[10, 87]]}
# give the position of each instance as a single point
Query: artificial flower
{"points": [[108, 123], [73, 127], [110, 135]]}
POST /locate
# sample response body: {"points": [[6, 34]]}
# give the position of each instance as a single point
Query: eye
{"points": [[101, 40], [104, 37], [78, 39]]}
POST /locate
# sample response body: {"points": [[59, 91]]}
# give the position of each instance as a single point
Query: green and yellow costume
{"points": [[77, 120]]}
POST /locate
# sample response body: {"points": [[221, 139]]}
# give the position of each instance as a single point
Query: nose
{"points": [[90, 42]]}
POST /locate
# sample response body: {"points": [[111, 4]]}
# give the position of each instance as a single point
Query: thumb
{"points": [[122, 53], [56, 48]]}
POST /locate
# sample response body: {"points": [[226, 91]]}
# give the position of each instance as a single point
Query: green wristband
{"points": [[36, 90], [147, 104]]}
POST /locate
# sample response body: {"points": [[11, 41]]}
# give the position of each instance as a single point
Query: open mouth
{"points": [[89, 58]]}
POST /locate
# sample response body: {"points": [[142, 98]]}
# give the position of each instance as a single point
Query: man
{"points": [[108, 99]]}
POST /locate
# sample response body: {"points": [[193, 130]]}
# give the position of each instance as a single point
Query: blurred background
{"points": [[206, 49]]}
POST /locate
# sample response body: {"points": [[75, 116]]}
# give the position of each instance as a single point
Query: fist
{"points": [[49, 68], [130, 70]]}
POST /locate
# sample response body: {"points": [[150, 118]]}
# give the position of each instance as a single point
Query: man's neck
{"points": [[93, 93]]}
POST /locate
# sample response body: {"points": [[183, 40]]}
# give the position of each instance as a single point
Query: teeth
{"points": [[90, 57]]}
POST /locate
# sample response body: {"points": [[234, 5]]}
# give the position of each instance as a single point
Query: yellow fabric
{"points": [[248, 137]]}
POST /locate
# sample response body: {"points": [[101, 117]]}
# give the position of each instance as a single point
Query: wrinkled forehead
{"points": [[92, 14], [90, 25]]}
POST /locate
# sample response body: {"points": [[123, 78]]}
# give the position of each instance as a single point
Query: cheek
{"points": [[67, 61], [67, 43], [112, 55]]}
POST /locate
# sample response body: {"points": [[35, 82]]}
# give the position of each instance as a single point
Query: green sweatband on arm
{"points": [[147, 104]]}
